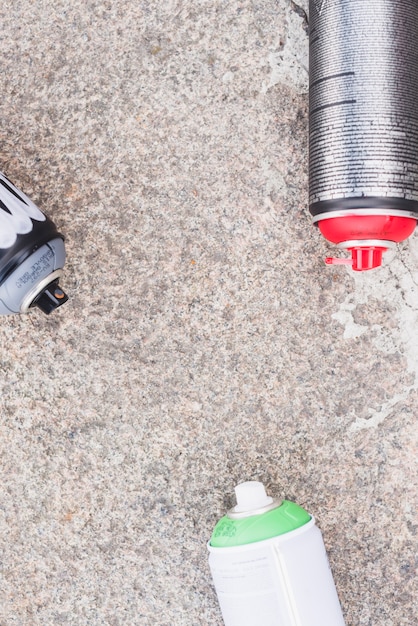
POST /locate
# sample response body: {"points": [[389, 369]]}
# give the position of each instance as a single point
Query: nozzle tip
{"points": [[50, 298], [333, 261]]}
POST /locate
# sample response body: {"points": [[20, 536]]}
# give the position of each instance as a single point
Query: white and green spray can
{"points": [[269, 564]]}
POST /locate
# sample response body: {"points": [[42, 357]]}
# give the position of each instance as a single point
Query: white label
{"points": [[284, 581], [249, 590], [16, 213]]}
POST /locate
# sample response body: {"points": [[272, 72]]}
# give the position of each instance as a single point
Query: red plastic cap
{"points": [[349, 227], [356, 228], [362, 258]]}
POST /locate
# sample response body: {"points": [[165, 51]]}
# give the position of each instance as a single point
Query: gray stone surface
{"points": [[205, 342]]}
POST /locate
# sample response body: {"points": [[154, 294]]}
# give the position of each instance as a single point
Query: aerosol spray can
{"points": [[363, 135], [32, 254], [269, 564]]}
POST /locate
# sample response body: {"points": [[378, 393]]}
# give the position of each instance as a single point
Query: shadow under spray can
{"points": [[32, 255], [363, 125], [269, 564]]}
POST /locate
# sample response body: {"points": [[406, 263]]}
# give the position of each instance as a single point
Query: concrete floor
{"points": [[205, 341]]}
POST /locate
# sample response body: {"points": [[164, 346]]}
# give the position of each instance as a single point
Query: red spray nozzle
{"points": [[362, 258]]}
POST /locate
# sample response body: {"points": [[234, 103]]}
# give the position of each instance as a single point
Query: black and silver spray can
{"points": [[32, 255], [363, 130]]}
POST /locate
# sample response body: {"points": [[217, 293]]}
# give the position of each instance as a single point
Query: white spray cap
{"points": [[251, 496]]}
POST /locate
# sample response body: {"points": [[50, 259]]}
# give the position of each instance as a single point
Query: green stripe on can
{"points": [[283, 519]]}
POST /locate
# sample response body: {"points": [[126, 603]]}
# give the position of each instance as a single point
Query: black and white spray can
{"points": [[32, 254], [269, 564], [363, 125]]}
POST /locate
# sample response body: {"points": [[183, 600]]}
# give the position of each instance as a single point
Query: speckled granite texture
{"points": [[205, 342]]}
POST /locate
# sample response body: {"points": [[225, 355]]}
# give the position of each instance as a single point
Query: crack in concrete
{"points": [[395, 283], [302, 13], [289, 61], [377, 417]]}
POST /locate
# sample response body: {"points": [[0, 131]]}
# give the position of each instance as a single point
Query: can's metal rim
{"points": [[365, 212], [366, 243], [31, 295], [243, 514]]}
